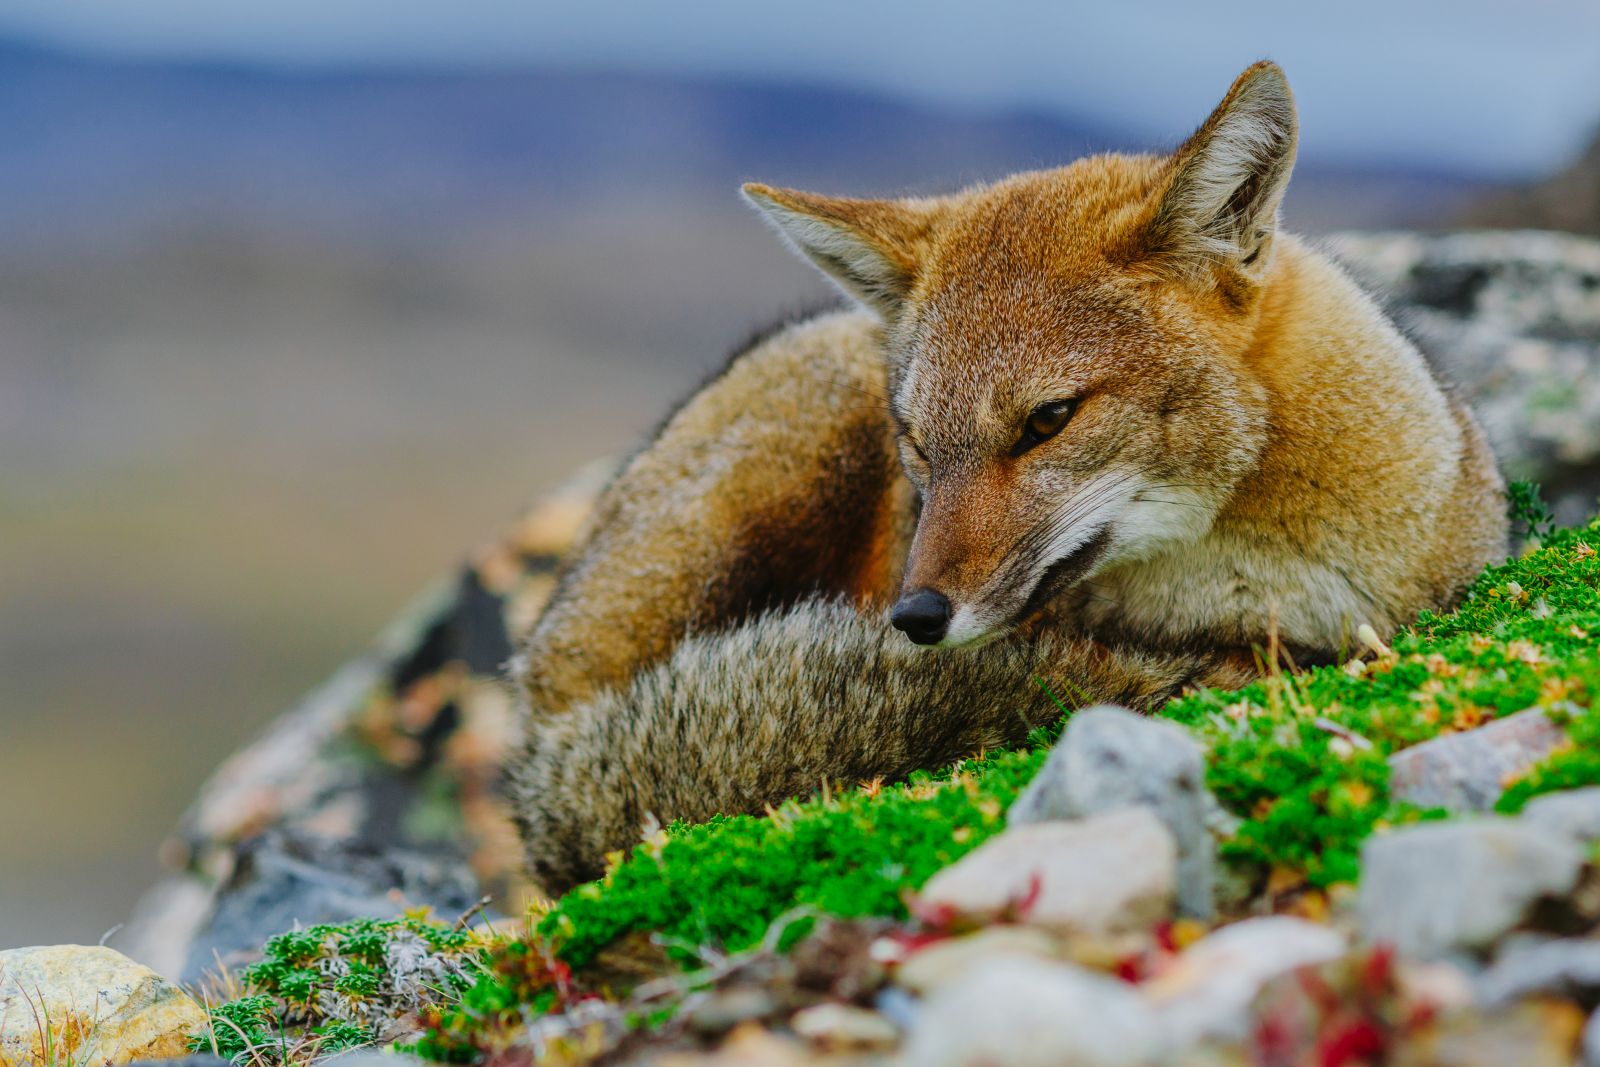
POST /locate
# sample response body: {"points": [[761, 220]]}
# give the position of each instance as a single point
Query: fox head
{"points": [[1068, 355]]}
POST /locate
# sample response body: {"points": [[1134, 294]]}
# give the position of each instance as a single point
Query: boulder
{"points": [[1110, 757], [1108, 874], [1438, 888], [1028, 1013], [1467, 772], [89, 1004]]}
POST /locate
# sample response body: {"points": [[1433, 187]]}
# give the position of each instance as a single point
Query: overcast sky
{"points": [[1503, 87]]}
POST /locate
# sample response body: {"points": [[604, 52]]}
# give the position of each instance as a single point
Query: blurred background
{"points": [[300, 300]]}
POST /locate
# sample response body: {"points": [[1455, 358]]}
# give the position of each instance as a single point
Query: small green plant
{"points": [[334, 987], [1526, 508]]}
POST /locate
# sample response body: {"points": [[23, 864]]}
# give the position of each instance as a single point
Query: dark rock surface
{"points": [[280, 881]]}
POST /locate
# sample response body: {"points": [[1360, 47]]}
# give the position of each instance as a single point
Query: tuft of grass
{"points": [[68, 1042]]}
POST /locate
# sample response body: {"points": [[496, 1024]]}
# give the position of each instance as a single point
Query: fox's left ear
{"points": [[870, 248], [1228, 179]]}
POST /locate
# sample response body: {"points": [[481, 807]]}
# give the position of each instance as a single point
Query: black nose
{"points": [[922, 616]]}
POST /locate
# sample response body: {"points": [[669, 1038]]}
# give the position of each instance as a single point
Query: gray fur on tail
{"points": [[751, 716]]}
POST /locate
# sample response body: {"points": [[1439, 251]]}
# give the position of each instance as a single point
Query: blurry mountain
{"points": [[95, 145], [1570, 200]]}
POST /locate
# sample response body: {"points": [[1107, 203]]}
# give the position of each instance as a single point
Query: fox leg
{"points": [[751, 716], [777, 481]]}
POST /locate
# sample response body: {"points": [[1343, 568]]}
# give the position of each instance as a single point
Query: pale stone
{"points": [[1022, 1012], [1207, 991], [1467, 772], [102, 1007], [945, 961], [1106, 874], [1437, 888], [842, 1026]]}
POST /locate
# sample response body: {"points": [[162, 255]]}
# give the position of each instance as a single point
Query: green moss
{"points": [[857, 853]]}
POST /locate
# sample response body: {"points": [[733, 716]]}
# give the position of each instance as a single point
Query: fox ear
{"points": [[1228, 179], [870, 248]]}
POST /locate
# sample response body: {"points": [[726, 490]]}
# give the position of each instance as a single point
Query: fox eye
{"points": [[1045, 422]]}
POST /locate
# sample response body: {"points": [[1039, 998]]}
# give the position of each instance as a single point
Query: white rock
{"points": [[103, 1008], [1436, 888], [1110, 873], [1208, 989], [1020, 1012]]}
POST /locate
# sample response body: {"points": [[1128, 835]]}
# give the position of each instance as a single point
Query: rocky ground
{"points": [[1307, 872]]}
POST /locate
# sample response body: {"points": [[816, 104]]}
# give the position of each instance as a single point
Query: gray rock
{"points": [[1107, 874], [1565, 967], [1437, 888], [1207, 992], [1574, 812], [282, 881], [1590, 1056], [1513, 318], [1110, 757], [1028, 1013], [1467, 772]]}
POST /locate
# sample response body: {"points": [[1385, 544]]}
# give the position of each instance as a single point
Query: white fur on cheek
{"points": [[1158, 518], [968, 626]]}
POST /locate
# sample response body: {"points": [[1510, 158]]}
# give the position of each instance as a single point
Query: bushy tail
{"points": [[751, 716]]}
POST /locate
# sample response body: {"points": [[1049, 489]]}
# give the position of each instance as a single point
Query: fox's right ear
{"points": [[1228, 179], [870, 248]]}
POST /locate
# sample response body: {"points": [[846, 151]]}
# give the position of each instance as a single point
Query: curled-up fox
{"points": [[1104, 427]]}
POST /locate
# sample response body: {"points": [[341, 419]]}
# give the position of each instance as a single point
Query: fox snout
{"points": [[922, 615]]}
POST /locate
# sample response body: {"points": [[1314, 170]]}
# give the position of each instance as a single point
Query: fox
{"points": [[1098, 433]]}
